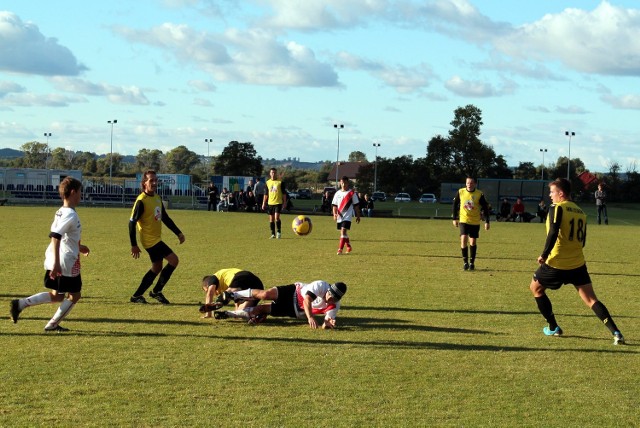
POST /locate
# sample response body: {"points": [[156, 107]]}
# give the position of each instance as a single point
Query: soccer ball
{"points": [[301, 225]]}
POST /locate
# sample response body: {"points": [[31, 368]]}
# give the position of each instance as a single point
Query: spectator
{"points": [[259, 190], [505, 210], [223, 205], [517, 214], [543, 210], [601, 204], [368, 206], [213, 196]]}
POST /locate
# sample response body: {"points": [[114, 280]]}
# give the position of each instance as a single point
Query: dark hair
{"points": [[338, 290], [67, 185], [145, 177], [563, 184], [345, 178]]}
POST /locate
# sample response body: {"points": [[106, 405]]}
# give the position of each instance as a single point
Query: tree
{"points": [[181, 160], [149, 159], [35, 155], [525, 171], [357, 156], [106, 166], [238, 159]]}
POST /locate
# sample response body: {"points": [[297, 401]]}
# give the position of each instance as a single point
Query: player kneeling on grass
{"points": [[62, 260], [297, 300], [219, 285]]}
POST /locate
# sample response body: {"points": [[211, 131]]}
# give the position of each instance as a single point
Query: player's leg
{"points": [[464, 238], [272, 222], [542, 300], [278, 222], [473, 248], [588, 296], [72, 286]]}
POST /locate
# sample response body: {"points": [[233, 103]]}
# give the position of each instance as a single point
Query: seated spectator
{"points": [[517, 213], [223, 205], [505, 210], [233, 202], [543, 210], [249, 201]]}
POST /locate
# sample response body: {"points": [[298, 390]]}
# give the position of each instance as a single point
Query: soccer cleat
{"points": [[472, 266], [15, 310], [339, 252], [138, 299], [57, 329], [220, 315], [210, 307], [349, 249], [272, 236], [278, 235], [555, 332], [465, 266], [159, 297], [618, 338], [257, 319]]}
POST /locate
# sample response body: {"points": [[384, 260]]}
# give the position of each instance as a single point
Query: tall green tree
{"points": [[357, 156], [181, 160], [525, 171], [35, 155], [150, 159], [238, 159]]}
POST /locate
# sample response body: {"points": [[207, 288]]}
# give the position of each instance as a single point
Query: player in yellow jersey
{"points": [[148, 214], [562, 260], [273, 201], [467, 204], [226, 280]]}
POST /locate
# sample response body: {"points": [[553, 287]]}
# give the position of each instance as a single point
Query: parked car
{"points": [[378, 196], [304, 193], [403, 197], [428, 198], [292, 195]]}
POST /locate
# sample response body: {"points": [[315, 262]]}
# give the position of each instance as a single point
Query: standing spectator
{"points": [[62, 260], [345, 205], [562, 261], [259, 190], [275, 200], [148, 214], [250, 201], [467, 204], [368, 206], [601, 204], [250, 186], [213, 196]]}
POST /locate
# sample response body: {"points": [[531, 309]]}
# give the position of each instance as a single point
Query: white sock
{"points": [[36, 299], [240, 313], [244, 293], [63, 311]]}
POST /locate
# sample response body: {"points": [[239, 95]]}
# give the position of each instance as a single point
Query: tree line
{"points": [[449, 159]]}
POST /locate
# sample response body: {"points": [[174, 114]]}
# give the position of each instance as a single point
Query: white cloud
{"points": [[604, 41], [47, 100], [116, 94], [202, 86], [572, 110], [630, 101], [10, 87], [23, 49], [476, 88]]}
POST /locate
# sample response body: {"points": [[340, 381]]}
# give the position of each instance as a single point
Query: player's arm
{"points": [[455, 210], [56, 270], [309, 297], [485, 209], [138, 209], [555, 220], [170, 224]]}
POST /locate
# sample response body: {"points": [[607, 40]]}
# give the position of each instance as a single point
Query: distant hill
{"points": [[10, 153]]}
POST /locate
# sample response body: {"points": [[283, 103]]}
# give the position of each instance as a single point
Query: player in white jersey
{"points": [[62, 260], [345, 206], [299, 300]]}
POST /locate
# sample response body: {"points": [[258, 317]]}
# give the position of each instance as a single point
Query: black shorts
{"points": [[344, 225], [473, 230], [63, 284], [283, 306], [159, 252], [274, 209], [245, 279], [553, 278]]}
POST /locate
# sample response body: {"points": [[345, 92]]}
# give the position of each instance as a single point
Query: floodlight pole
{"points": [[569, 134], [46, 159], [338, 127], [375, 168], [112, 122], [543, 151]]}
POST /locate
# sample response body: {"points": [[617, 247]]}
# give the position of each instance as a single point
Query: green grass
{"points": [[420, 343]]}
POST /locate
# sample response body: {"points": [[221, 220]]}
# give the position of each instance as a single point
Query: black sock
{"points": [[546, 309], [473, 249], [147, 281], [465, 254], [278, 225], [164, 278], [272, 225], [601, 312]]}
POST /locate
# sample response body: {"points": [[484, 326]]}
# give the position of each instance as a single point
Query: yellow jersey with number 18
{"points": [[571, 222]]}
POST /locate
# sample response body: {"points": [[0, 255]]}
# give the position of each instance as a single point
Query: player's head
{"points": [[208, 281], [337, 290], [67, 185], [149, 183], [470, 184], [273, 173], [344, 182], [560, 190]]}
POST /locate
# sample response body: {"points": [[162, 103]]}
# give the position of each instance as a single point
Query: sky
{"points": [[281, 73]]}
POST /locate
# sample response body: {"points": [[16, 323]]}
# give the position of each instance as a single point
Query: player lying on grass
{"points": [[299, 300], [230, 279]]}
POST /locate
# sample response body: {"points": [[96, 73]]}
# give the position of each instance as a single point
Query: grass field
{"points": [[420, 343]]}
